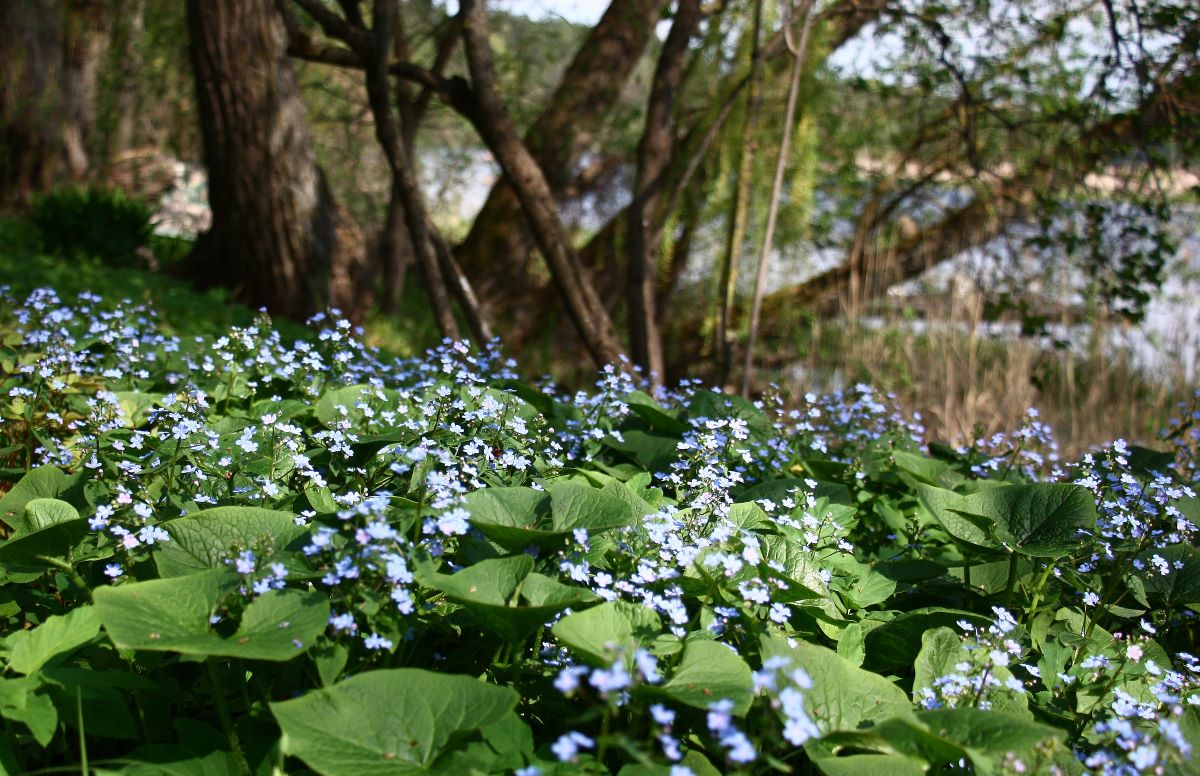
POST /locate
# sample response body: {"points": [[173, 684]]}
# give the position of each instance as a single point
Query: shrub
{"points": [[93, 222]]}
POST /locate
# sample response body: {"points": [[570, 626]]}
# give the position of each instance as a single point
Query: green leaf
{"points": [[202, 751], [579, 506], [653, 452], [53, 541], [514, 518], [869, 765], [646, 408], [1042, 520], [930, 471], [711, 671], [207, 539], [395, 721], [504, 595], [596, 634], [44, 512], [327, 406], [950, 510], [103, 696], [172, 615], [749, 516], [29, 650], [843, 696], [136, 406], [1180, 587], [23, 700], [851, 646], [896, 643], [42, 482], [941, 648], [990, 732]]}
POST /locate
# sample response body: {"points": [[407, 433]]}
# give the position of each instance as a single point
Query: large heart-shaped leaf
{"points": [[173, 615], [505, 595], [596, 634], [29, 650], [395, 721], [578, 506], [1043, 520], [1181, 584], [843, 696], [951, 510], [711, 671], [514, 518], [207, 539]]}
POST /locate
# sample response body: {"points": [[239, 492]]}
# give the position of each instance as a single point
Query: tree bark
{"points": [[534, 193], [128, 101], [277, 237], [654, 156], [84, 44], [30, 121]]}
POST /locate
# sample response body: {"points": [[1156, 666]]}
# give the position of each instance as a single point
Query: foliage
{"points": [[76, 222], [309, 556]]}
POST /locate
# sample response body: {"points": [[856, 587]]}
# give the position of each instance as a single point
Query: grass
{"points": [[968, 385]]}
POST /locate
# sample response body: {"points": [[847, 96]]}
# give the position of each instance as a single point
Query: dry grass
{"points": [[967, 384]]}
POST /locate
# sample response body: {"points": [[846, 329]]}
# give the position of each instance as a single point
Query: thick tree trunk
{"points": [[277, 237], [30, 121]]}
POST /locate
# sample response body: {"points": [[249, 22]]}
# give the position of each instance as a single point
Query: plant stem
{"points": [[69, 570], [226, 721], [83, 755], [1011, 584], [1041, 585]]}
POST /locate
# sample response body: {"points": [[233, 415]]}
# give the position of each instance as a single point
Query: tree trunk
{"points": [[654, 156], [128, 101], [404, 182], [84, 42], [30, 122], [277, 237]]}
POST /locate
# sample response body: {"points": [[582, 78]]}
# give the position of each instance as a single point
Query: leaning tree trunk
{"points": [[277, 237]]}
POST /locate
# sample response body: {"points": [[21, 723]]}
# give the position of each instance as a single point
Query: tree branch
{"points": [[654, 150], [536, 198]]}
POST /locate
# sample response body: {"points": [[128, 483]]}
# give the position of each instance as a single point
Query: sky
{"points": [[578, 11]]}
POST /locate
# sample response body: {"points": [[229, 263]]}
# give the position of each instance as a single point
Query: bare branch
{"points": [[537, 201]]}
